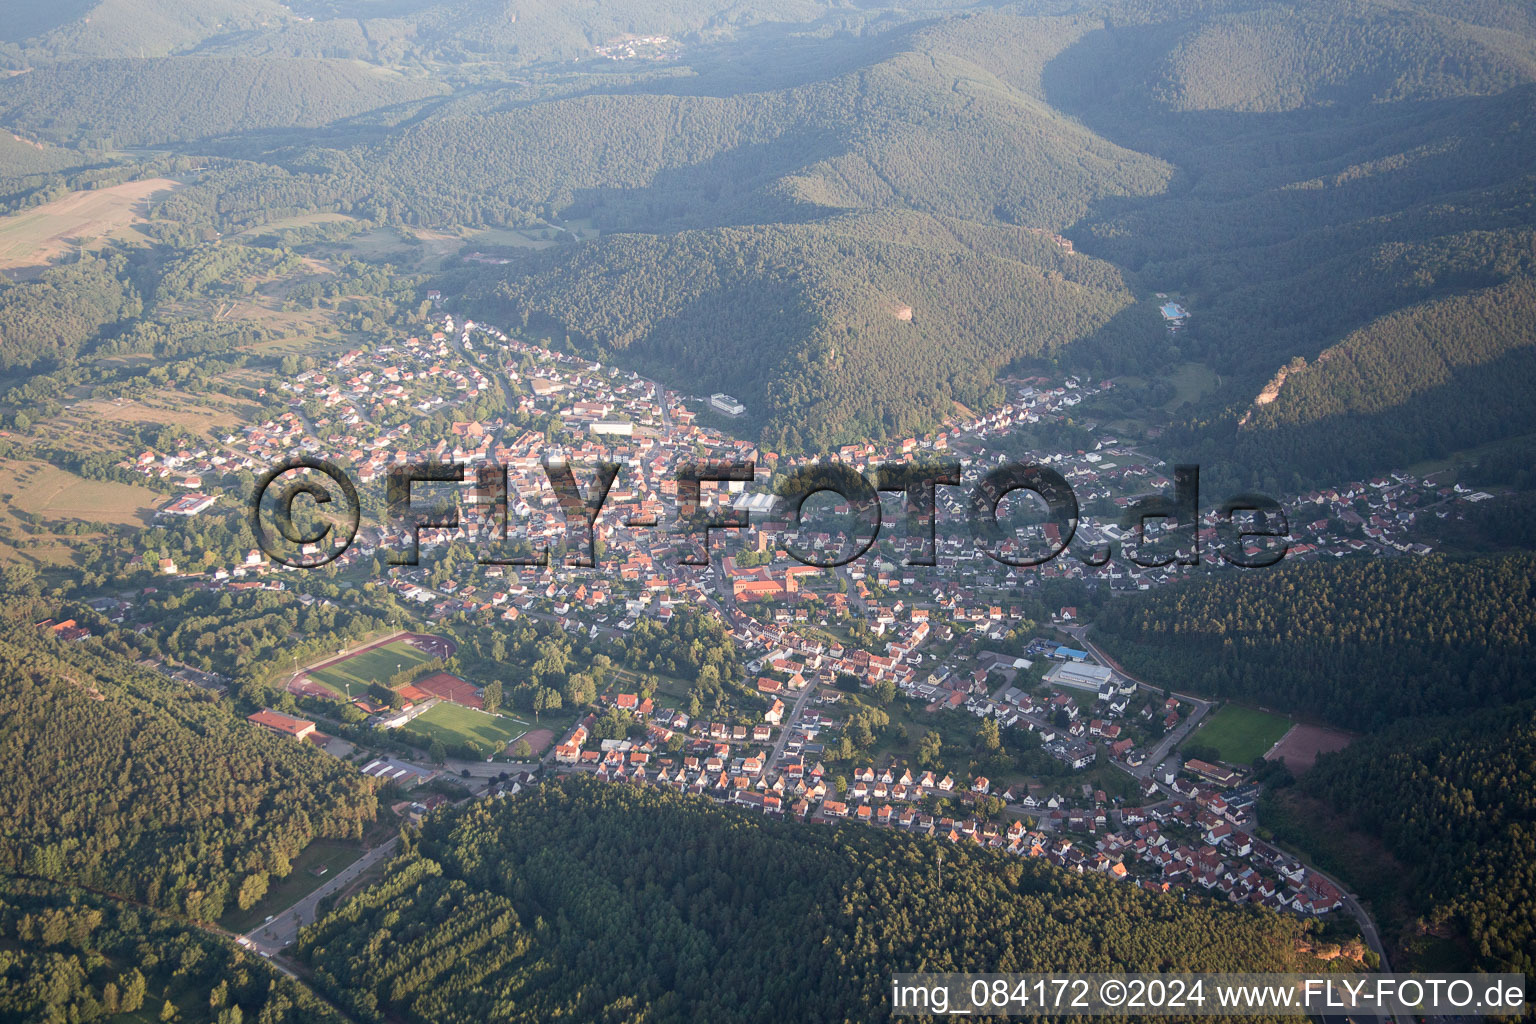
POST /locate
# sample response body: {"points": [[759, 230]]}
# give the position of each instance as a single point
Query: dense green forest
{"points": [[19, 157], [55, 316], [70, 955], [116, 103], [1415, 384], [1374, 213], [137, 786], [1454, 798], [1268, 58], [801, 322], [582, 900], [1358, 643]]}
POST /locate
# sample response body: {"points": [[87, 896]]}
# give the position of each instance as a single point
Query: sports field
{"points": [[457, 725], [1241, 734], [1301, 746], [365, 668]]}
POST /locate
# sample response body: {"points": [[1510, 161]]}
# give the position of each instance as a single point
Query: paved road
{"points": [[790, 718], [476, 769], [284, 928], [486, 365]]}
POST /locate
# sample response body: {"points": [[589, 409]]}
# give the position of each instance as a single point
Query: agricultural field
{"points": [[52, 493], [37, 236], [38, 490], [1241, 734], [455, 725], [363, 669]]}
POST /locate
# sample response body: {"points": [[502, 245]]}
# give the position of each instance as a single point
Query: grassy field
{"points": [[1241, 734], [1191, 381], [53, 493], [331, 854], [372, 666], [454, 724], [83, 218], [424, 249], [510, 238], [50, 493]]}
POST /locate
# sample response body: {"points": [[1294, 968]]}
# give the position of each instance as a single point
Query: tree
{"points": [[522, 750], [252, 890], [546, 699], [437, 752], [988, 738], [132, 987], [582, 688], [491, 696], [930, 751]]}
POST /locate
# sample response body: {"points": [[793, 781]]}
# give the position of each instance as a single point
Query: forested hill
{"points": [[582, 900], [924, 128], [144, 102], [38, 32], [802, 320], [784, 229], [71, 955], [1462, 812], [1355, 187], [1358, 643], [132, 784], [447, 30], [1434, 377], [1278, 57]]}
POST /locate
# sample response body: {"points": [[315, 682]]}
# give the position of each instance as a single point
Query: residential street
{"points": [[791, 716]]}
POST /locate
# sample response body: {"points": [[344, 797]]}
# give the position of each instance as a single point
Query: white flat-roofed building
{"points": [[613, 428], [1080, 676], [760, 504], [724, 403]]}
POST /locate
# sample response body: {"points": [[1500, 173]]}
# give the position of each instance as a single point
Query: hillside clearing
{"points": [[83, 218]]}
